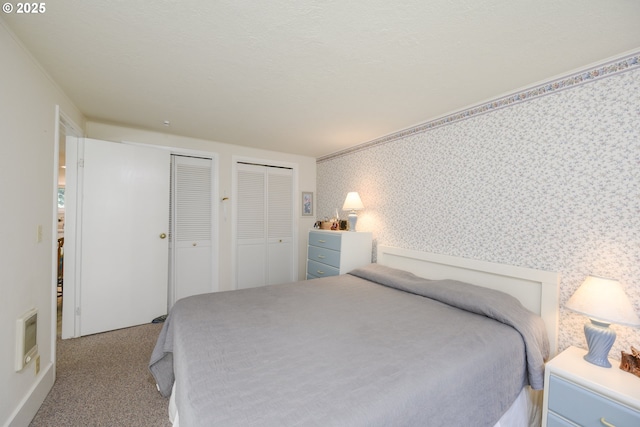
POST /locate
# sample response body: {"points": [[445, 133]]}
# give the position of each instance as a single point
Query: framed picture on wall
{"points": [[307, 203]]}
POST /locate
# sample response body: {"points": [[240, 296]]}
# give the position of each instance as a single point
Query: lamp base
{"points": [[600, 338], [353, 218]]}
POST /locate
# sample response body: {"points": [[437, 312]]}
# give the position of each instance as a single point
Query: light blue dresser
{"points": [[330, 253]]}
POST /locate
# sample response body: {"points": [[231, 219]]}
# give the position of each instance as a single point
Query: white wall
{"points": [[27, 134], [306, 167]]}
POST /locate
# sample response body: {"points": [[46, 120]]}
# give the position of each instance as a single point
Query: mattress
{"points": [[375, 347]]}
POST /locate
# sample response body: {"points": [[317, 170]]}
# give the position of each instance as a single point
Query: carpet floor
{"points": [[103, 380]]}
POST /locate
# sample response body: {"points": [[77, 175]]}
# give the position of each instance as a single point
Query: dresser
{"points": [[578, 393], [330, 253]]}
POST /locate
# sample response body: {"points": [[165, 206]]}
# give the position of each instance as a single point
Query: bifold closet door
{"points": [[192, 234], [279, 201], [264, 225]]}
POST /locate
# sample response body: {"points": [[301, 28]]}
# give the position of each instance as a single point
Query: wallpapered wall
{"points": [[550, 183]]}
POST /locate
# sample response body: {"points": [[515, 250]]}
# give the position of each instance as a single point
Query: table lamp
{"points": [[604, 302], [352, 203]]}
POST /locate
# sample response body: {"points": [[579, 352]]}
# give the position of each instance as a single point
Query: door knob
{"points": [[162, 235]]}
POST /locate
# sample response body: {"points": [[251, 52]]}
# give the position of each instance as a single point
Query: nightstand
{"points": [[331, 253], [578, 393]]}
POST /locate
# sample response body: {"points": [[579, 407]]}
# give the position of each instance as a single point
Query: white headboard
{"points": [[537, 290]]}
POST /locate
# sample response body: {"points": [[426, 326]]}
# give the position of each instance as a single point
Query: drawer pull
{"points": [[320, 272], [321, 256], [322, 241], [605, 423]]}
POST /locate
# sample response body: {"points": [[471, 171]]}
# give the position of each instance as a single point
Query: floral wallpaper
{"points": [[546, 179]]}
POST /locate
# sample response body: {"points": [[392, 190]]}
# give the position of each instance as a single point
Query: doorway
{"points": [[62, 138], [66, 132]]}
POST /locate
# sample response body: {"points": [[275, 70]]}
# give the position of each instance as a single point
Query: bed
{"points": [[382, 345]]}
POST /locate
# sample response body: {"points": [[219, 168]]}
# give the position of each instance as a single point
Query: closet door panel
{"points": [[192, 227], [264, 225], [251, 227], [279, 266], [252, 263], [279, 226]]}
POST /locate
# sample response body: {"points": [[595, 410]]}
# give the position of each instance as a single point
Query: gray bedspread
{"points": [[377, 347]]}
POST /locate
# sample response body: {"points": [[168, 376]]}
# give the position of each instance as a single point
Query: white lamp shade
{"points": [[352, 202], [603, 300]]}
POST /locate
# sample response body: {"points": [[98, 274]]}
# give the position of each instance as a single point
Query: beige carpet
{"points": [[103, 380]]}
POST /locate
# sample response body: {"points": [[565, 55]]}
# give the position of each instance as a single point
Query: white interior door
{"points": [[125, 220]]}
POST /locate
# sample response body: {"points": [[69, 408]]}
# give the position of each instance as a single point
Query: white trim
{"points": [[30, 404], [73, 243], [537, 290], [62, 122], [54, 233]]}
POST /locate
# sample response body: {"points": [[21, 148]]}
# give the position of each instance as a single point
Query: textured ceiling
{"points": [[310, 77]]}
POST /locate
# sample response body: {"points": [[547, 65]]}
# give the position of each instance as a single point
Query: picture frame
{"points": [[307, 203]]}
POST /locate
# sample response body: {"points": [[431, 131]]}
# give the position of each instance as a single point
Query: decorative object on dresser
{"points": [[630, 362], [331, 253], [352, 203], [604, 302], [578, 393]]}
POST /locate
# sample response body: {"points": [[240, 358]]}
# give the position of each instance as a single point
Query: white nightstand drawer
{"points": [[317, 269], [325, 256], [585, 407], [325, 240]]}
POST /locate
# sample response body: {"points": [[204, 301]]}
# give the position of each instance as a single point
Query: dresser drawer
{"points": [[325, 240], [320, 270], [555, 421], [586, 408], [325, 256]]}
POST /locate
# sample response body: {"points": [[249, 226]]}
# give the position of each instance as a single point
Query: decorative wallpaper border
{"points": [[592, 74]]}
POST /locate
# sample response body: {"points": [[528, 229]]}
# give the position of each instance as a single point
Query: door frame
{"points": [[234, 220], [70, 315], [63, 123]]}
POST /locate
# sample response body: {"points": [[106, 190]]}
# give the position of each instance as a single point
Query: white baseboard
{"points": [[29, 406]]}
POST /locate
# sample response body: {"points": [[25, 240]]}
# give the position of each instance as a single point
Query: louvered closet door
{"points": [[192, 227], [279, 226], [264, 226]]}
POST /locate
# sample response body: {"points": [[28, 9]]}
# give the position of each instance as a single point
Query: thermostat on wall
{"points": [[26, 338]]}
